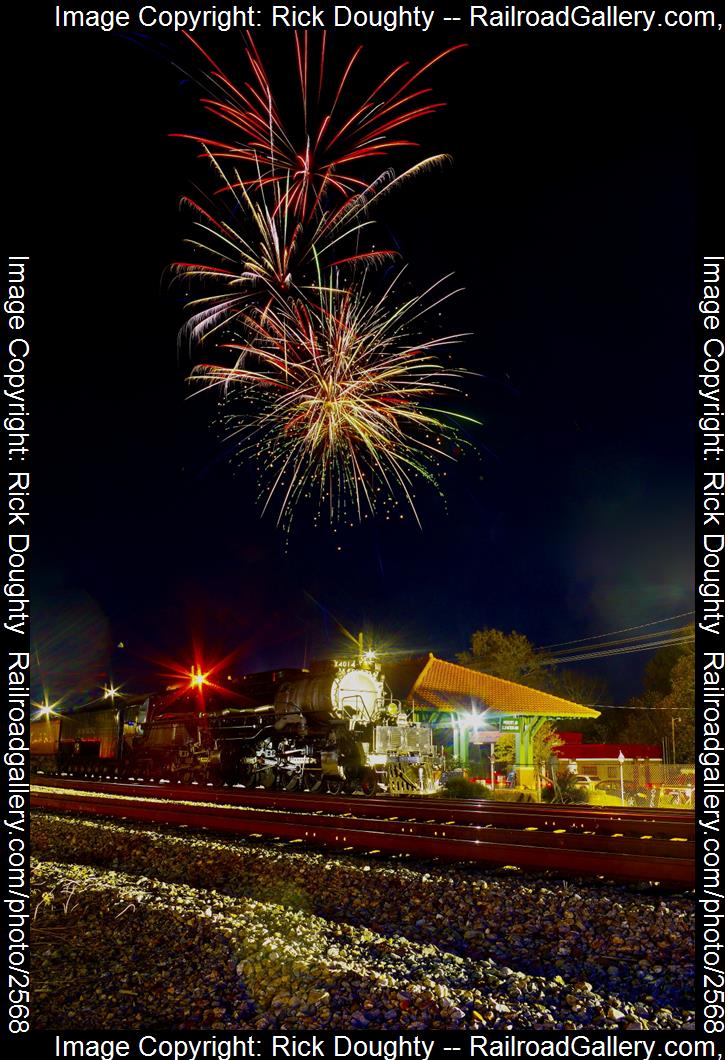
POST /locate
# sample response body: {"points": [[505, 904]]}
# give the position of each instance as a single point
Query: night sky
{"points": [[569, 216]]}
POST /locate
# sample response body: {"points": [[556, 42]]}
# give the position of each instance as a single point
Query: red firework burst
{"points": [[321, 158]]}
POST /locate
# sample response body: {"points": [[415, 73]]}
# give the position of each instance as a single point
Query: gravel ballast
{"points": [[140, 928]]}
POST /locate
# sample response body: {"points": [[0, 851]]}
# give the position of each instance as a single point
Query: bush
{"points": [[462, 788], [564, 790], [513, 795]]}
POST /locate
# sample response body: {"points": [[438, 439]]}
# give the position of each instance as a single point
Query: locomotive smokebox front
{"points": [[354, 696]]}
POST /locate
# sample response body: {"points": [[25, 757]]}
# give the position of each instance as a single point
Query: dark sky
{"points": [[569, 216]]}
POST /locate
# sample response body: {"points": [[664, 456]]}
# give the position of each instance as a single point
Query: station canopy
{"points": [[428, 684]]}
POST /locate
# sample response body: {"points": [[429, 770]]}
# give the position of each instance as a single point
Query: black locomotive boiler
{"points": [[335, 727]]}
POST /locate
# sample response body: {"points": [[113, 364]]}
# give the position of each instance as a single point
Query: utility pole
{"points": [[674, 753]]}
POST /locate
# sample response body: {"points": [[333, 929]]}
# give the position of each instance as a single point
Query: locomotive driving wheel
{"points": [[228, 767], [246, 775], [368, 783], [334, 785]]}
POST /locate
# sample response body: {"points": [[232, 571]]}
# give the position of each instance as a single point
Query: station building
{"points": [[478, 706]]}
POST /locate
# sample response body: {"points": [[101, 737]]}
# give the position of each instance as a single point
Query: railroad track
{"points": [[630, 821], [630, 844]]}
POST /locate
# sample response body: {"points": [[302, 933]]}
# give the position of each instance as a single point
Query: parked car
{"points": [[634, 795], [583, 781]]}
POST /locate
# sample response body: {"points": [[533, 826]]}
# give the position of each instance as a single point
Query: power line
{"points": [[612, 633], [667, 633], [622, 650], [623, 706]]}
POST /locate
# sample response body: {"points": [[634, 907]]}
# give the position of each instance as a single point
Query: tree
{"points": [[579, 687], [679, 707], [508, 655], [504, 752], [588, 691], [668, 702], [545, 743], [658, 672]]}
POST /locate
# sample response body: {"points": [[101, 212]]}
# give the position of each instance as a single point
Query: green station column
{"points": [[525, 768], [460, 743]]}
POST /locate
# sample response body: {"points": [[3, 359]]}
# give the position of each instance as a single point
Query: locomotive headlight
{"points": [[356, 694]]}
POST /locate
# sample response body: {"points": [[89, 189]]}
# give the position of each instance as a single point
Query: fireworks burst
{"points": [[322, 158], [259, 255], [332, 383], [336, 400]]}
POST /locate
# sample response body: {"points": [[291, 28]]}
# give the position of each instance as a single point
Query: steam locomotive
{"points": [[335, 727]]}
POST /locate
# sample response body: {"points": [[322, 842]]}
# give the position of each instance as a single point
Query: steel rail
{"points": [[473, 833], [606, 820], [570, 854]]}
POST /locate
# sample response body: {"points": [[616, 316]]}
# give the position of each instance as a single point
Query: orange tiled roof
{"points": [[443, 685]]}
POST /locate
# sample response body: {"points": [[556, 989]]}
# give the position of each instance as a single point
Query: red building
{"points": [[600, 761]]}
